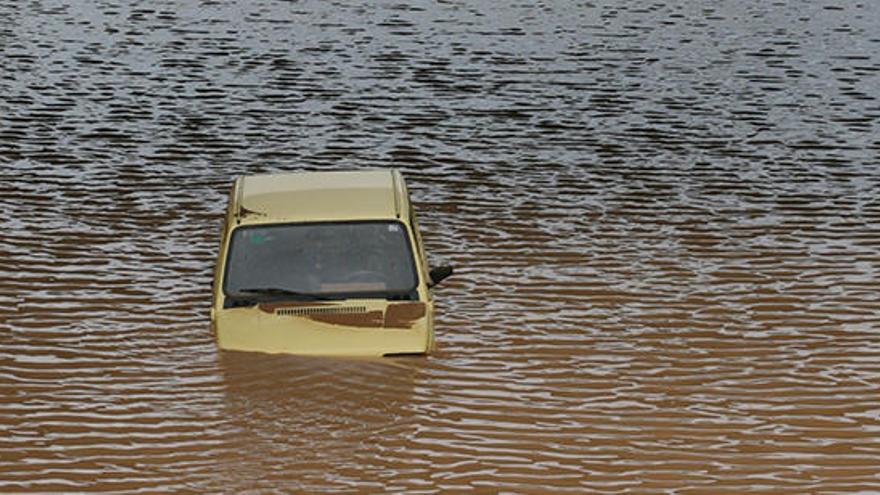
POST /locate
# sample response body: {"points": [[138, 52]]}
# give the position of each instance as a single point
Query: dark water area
{"points": [[664, 219]]}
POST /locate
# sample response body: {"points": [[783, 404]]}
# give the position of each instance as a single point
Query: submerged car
{"points": [[323, 263]]}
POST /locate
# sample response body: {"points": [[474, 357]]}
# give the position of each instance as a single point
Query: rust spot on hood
{"points": [[403, 315], [243, 212], [399, 315]]}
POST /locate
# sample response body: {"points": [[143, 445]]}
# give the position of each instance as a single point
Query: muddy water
{"points": [[664, 219]]}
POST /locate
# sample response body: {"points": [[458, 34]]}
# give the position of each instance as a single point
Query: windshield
{"points": [[334, 260]]}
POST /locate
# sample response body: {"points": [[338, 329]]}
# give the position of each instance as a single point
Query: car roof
{"points": [[320, 196]]}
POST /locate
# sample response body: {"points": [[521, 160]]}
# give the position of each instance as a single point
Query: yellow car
{"points": [[325, 263]]}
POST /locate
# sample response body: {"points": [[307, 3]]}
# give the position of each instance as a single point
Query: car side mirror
{"points": [[438, 274]]}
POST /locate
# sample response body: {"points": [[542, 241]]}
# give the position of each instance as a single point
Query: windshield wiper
{"points": [[277, 291]]}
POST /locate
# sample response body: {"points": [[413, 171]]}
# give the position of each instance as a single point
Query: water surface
{"points": [[664, 221]]}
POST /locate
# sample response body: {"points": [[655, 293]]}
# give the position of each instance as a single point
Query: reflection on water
{"points": [[306, 420], [663, 219]]}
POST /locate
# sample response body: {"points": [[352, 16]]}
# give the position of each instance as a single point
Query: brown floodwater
{"points": [[664, 219]]}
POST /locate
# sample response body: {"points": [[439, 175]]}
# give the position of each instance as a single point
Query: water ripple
{"points": [[663, 220]]}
